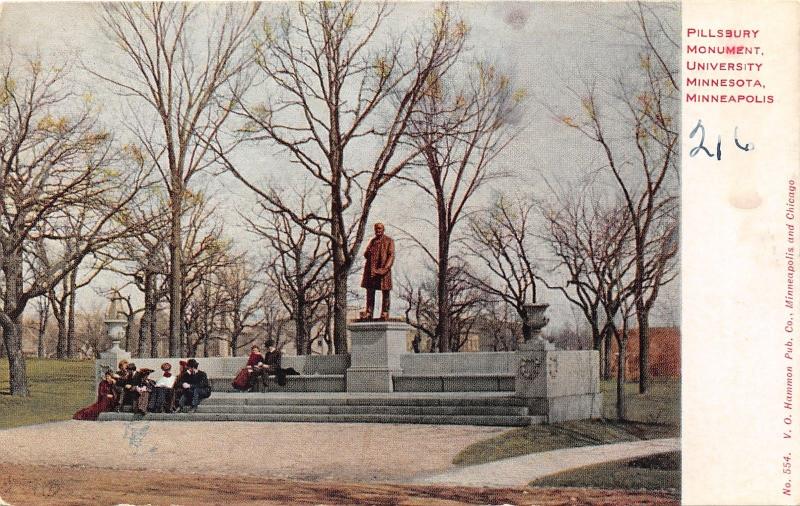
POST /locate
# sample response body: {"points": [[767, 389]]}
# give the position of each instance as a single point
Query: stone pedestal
{"points": [[376, 347], [559, 384], [109, 359]]}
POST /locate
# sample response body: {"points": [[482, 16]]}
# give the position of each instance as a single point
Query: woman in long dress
{"points": [[246, 379], [106, 399]]}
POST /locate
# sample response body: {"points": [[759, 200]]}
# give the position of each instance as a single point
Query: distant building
{"points": [[665, 354]]}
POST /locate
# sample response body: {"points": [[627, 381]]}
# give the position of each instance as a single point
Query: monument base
{"points": [[370, 379], [376, 349], [559, 384]]}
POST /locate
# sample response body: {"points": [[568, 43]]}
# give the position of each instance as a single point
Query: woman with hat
{"points": [[106, 399], [163, 391], [248, 376]]}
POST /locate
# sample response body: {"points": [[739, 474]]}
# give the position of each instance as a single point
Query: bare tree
{"points": [[43, 313], [467, 306], [144, 259], [55, 162], [242, 303], [205, 250], [62, 298], [459, 130], [637, 131], [501, 241], [184, 68], [587, 239], [299, 267], [341, 105]]}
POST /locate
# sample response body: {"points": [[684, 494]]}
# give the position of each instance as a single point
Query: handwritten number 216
{"points": [[701, 144]]}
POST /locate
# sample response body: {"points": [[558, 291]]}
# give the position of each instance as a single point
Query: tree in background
{"points": [[299, 268], [458, 129], [501, 241], [186, 63], [340, 103], [55, 162], [468, 305], [636, 128]]}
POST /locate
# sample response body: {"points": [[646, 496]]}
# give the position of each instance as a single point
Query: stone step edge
{"points": [[367, 410], [337, 401], [491, 420]]}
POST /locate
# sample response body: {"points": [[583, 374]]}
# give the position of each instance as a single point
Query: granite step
{"points": [[341, 399], [365, 410], [485, 420]]}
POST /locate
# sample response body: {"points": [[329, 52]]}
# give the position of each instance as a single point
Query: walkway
{"points": [[300, 451], [519, 471]]}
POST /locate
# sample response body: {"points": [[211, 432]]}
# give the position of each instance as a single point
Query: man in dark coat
{"points": [[128, 384], [195, 386], [379, 257]]}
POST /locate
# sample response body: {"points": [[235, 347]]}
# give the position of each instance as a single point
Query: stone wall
{"points": [[500, 362], [227, 367]]}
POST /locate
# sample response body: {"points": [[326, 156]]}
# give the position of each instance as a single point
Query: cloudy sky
{"points": [[547, 47]]}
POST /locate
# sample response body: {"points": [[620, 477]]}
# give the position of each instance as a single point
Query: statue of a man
{"points": [[379, 257]]}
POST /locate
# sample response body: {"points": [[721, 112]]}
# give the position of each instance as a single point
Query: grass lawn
{"points": [[655, 415], [58, 389], [656, 472], [661, 404]]}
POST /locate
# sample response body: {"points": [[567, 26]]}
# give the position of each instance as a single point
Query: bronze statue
{"points": [[379, 257]]}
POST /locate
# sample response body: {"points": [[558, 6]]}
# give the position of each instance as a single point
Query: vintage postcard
{"points": [[406, 253]]}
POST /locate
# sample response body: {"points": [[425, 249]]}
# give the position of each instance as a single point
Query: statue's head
{"points": [[379, 228]]}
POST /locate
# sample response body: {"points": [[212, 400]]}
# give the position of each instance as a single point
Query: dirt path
{"points": [[302, 451], [51, 486]]}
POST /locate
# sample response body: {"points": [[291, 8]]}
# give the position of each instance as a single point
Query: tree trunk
{"points": [[622, 344], [641, 316], [73, 288], [176, 270], [154, 324], [340, 272], [147, 313], [644, 348], [442, 295], [301, 330], [61, 340], [44, 315], [12, 323], [235, 340], [607, 354], [60, 312], [17, 373]]}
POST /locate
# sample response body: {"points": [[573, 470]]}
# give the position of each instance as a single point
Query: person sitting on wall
{"points": [[163, 391], [143, 386], [178, 388], [129, 394], [195, 386], [121, 373], [247, 377], [106, 399], [272, 364]]}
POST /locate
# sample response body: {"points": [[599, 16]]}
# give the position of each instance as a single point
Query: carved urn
{"points": [[115, 323], [535, 320]]}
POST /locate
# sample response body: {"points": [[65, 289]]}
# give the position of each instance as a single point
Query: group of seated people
{"points": [[131, 387], [259, 367]]}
